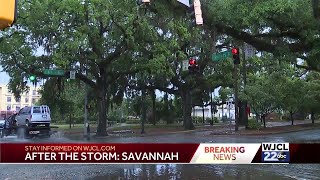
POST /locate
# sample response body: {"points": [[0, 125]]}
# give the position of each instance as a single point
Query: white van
{"points": [[34, 115]]}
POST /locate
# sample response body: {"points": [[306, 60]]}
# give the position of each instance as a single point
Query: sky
{"points": [[4, 78]]}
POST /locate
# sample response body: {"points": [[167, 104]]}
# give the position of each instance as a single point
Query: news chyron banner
{"points": [[204, 153]]}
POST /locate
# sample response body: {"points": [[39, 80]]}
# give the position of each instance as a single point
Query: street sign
{"points": [[185, 65], [249, 50], [221, 56], [72, 75], [53, 72], [185, 2]]}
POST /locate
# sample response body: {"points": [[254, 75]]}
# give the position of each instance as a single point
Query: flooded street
{"points": [[166, 171]]}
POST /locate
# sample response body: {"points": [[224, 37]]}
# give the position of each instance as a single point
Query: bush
{"points": [[197, 119], [169, 119], [178, 120], [253, 124], [215, 120], [133, 122], [225, 119]]}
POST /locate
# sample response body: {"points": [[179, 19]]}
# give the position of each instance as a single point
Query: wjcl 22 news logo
{"points": [[275, 152]]}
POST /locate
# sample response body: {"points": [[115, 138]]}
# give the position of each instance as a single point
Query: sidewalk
{"points": [[269, 130]]}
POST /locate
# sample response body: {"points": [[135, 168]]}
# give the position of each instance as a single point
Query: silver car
{"points": [[34, 115]]}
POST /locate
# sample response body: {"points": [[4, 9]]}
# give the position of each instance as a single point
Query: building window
{"points": [[17, 108], [34, 92], [8, 107], [8, 99], [18, 100], [26, 100], [33, 100]]}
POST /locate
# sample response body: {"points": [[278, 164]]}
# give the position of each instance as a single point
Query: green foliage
{"points": [[215, 120], [128, 49], [197, 119], [254, 124]]}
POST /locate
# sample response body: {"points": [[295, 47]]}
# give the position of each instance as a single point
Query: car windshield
{"points": [[36, 110]]}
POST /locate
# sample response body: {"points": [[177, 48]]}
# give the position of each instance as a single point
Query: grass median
{"points": [[134, 127]]}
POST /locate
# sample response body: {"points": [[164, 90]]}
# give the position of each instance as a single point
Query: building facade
{"points": [[227, 111], [9, 103]]}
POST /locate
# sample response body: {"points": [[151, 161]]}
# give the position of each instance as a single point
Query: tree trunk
{"points": [[70, 121], [187, 109], [241, 113], [101, 90], [203, 119], [312, 117], [246, 119], [154, 107], [264, 120], [108, 103], [144, 112], [222, 110], [291, 117], [102, 120], [211, 108]]}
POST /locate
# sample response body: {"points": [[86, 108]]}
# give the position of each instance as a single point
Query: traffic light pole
{"points": [[235, 76]]}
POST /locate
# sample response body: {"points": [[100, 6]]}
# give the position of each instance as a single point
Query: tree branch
{"points": [[86, 80], [309, 68]]}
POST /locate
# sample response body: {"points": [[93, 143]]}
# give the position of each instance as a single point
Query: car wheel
{"points": [[28, 124]]}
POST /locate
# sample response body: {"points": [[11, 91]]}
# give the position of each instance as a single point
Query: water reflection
{"points": [[192, 172]]}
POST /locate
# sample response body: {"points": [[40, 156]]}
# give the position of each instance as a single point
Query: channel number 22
{"points": [[273, 156]]}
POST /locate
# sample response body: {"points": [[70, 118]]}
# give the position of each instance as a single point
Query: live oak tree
{"points": [[93, 36]]}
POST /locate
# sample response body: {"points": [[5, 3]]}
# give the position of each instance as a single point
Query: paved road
{"points": [[159, 171]]}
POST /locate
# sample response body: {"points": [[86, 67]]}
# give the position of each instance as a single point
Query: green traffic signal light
{"points": [[32, 78]]}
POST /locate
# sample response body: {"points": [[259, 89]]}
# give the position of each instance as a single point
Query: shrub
{"points": [[253, 124], [208, 119], [197, 119], [225, 119], [133, 122]]}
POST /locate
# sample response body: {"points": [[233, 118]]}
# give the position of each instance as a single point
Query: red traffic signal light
{"points": [[235, 55], [192, 62], [235, 51]]}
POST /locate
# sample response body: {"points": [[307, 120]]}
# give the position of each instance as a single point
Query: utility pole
{"points": [[236, 62], [235, 76]]}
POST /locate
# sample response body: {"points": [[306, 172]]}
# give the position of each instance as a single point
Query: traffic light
{"points": [[235, 55], [8, 13], [196, 13], [193, 66], [32, 78]]}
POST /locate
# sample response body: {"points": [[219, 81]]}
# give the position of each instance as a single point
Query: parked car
{"points": [[10, 125], [2, 126], [32, 116]]}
